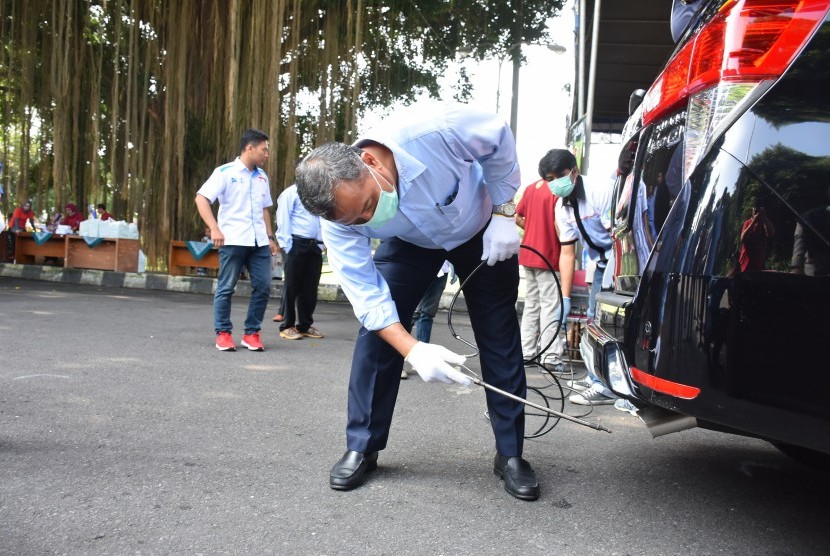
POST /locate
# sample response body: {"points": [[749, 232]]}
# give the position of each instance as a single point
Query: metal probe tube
{"points": [[486, 386]]}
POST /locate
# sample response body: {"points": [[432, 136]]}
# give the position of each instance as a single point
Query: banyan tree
{"points": [[133, 102]]}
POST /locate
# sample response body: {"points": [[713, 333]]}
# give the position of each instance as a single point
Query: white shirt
{"points": [[242, 195], [595, 213], [294, 220]]}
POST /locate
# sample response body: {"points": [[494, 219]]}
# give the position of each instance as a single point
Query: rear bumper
{"points": [[604, 356], [602, 345]]}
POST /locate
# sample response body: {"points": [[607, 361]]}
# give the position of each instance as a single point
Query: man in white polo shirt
{"points": [[243, 236], [583, 214]]}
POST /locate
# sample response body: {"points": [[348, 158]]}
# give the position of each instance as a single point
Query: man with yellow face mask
{"points": [[432, 188]]}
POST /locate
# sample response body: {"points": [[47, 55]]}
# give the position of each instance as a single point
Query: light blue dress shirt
{"points": [[454, 163], [294, 219]]}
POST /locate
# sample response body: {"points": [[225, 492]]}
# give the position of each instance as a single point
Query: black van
{"points": [[721, 304]]}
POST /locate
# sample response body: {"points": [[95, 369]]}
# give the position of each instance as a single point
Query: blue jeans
{"points": [[232, 259], [596, 287], [422, 321]]}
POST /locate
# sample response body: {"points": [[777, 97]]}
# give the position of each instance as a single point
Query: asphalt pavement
{"points": [[123, 430]]}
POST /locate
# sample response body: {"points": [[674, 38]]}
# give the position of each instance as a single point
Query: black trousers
{"points": [[491, 301], [301, 276]]}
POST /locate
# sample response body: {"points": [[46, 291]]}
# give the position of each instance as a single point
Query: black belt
{"points": [[307, 240]]}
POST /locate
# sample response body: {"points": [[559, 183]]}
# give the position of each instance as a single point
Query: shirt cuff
{"points": [[379, 317]]}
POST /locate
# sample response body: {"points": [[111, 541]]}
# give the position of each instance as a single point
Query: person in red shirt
{"points": [[756, 233], [102, 212], [72, 218], [21, 216], [540, 317]]}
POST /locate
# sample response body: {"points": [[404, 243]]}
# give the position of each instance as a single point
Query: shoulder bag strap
{"points": [[590, 243]]}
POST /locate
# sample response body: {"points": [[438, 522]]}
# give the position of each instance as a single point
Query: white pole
{"points": [[589, 111], [580, 88]]}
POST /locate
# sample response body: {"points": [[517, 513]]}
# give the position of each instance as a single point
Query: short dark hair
{"points": [[252, 137], [323, 171], [101, 206], [556, 161]]}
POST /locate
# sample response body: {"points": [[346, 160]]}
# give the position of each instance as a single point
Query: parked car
{"points": [[721, 304]]}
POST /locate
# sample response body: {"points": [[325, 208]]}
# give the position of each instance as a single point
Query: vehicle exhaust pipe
{"points": [[661, 422]]}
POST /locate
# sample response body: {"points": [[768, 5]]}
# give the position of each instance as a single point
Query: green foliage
{"points": [[408, 45], [134, 102]]}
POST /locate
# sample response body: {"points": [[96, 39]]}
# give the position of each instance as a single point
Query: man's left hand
{"points": [[501, 240]]}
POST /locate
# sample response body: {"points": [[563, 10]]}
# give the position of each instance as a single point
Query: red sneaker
{"points": [[224, 342], [252, 342]]}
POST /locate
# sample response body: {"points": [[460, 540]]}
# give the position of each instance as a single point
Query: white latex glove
{"points": [[432, 362], [501, 239]]}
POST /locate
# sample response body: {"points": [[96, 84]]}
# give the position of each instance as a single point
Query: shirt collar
{"points": [[240, 165], [407, 166]]}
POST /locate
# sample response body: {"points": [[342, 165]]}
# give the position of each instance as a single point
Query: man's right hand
{"points": [[432, 362], [217, 237]]}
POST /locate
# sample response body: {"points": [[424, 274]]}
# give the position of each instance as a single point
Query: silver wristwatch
{"points": [[505, 209]]}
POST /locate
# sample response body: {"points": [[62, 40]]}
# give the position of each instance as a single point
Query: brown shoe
{"points": [[291, 334], [313, 333]]}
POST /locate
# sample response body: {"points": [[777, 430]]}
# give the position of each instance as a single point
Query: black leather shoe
{"points": [[519, 478], [350, 471]]}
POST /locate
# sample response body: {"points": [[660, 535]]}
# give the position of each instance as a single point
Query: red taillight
{"points": [[748, 40], [665, 386]]}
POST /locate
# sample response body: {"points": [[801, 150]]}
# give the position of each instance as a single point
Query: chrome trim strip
{"points": [[598, 334]]}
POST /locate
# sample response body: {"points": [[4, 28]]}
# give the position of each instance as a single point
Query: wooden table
{"points": [[26, 248], [115, 254], [181, 259]]}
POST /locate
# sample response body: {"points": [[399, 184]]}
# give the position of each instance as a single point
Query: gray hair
{"points": [[323, 171]]}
